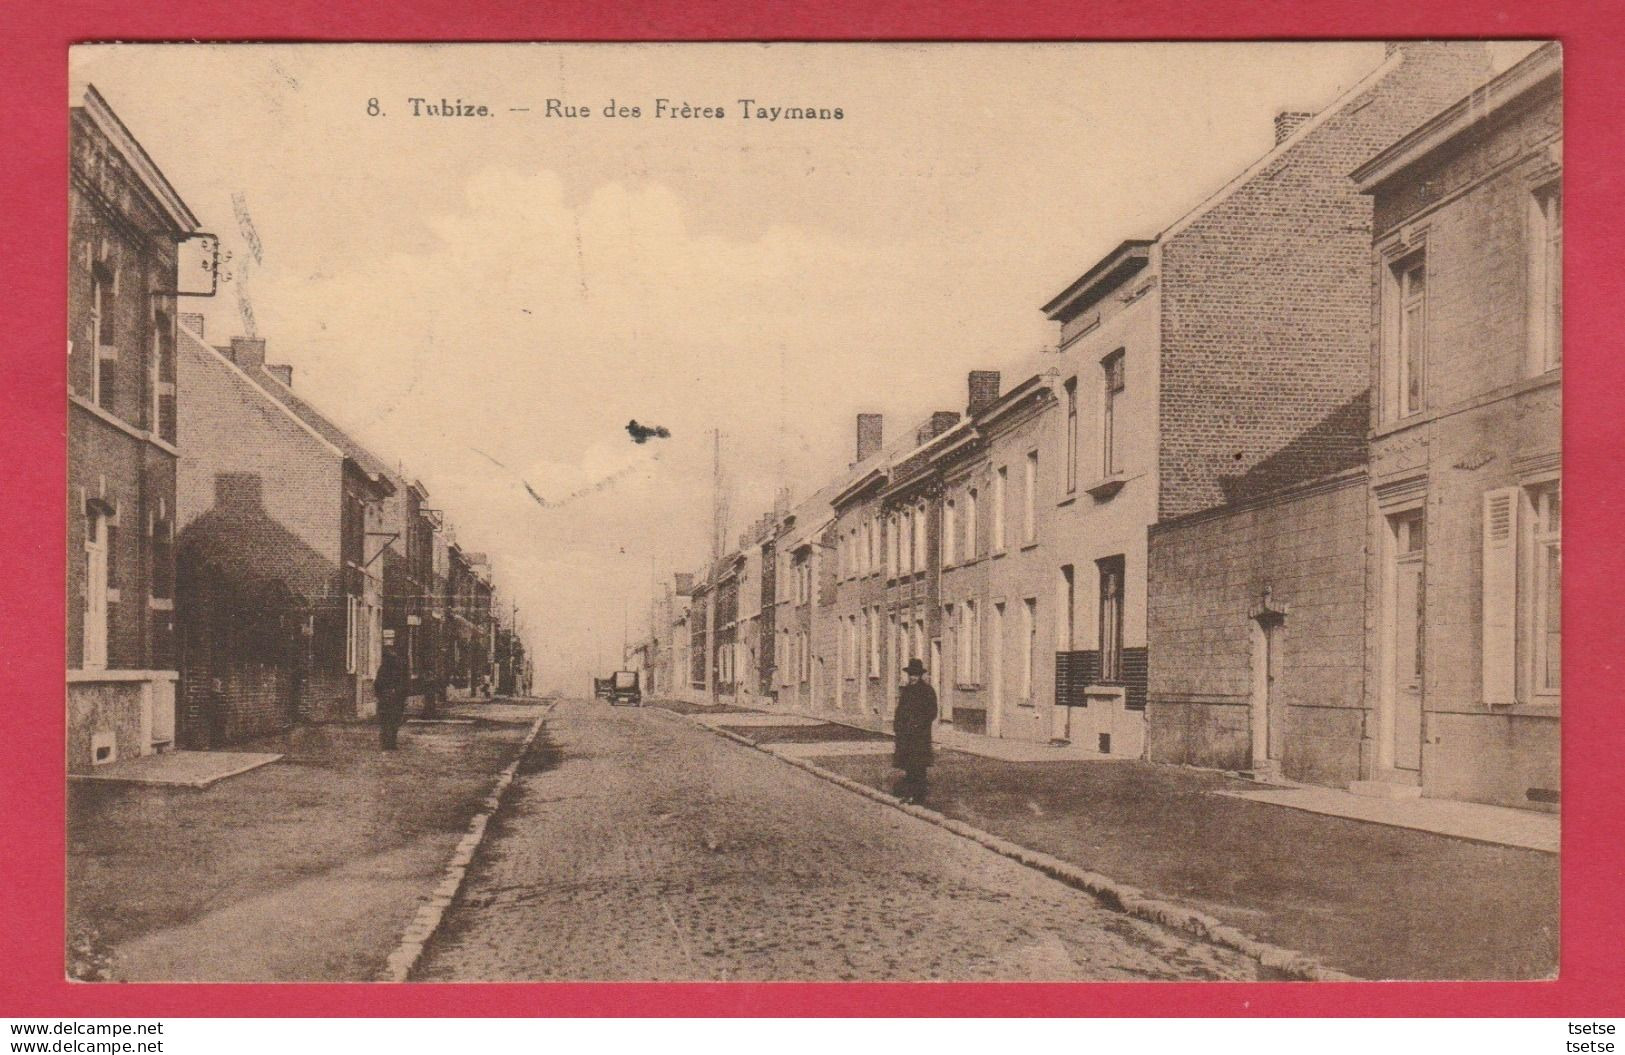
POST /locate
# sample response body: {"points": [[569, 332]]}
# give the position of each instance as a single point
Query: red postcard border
{"points": [[33, 87]]}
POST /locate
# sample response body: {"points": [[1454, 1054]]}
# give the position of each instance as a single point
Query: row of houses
{"points": [[237, 561], [1284, 497]]}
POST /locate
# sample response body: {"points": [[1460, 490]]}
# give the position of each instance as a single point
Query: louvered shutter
{"points": [[1500, 595]]}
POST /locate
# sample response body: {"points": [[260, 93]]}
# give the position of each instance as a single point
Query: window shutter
{"points": [[1500, 595]]}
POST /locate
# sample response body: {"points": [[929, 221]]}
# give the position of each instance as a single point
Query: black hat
{"points": [[914, 666]]}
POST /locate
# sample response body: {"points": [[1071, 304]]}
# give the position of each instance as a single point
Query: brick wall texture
{"points": [[1266, 298], [1206, 575]]}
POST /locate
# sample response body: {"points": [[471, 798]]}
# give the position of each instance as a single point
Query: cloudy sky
{"points": [[489, 300]]}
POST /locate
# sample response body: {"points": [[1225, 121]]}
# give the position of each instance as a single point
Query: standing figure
{"points": [[389, 685], [916, 714]]}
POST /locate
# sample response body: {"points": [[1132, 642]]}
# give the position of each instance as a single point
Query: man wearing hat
{"points": [[916, 713]]}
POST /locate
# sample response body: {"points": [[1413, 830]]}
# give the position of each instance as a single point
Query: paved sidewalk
{"points": [[1500, 825], [308, 869], [186, 769]]}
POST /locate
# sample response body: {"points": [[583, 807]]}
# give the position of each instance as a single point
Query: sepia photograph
{"points": [[814, 512]]}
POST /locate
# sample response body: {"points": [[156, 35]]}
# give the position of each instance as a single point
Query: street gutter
{"points": [[1295, 966], [398, 968]]}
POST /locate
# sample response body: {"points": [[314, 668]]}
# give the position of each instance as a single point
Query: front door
{"points": [[1269, 714], [1408, 627]]}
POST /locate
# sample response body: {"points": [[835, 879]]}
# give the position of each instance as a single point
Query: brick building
{"points": [[259, 575], [911, 507], [125, 226], [1463, 599], [995, 580], [346, 632], [1224, 360], [1257, 611], [858, 605]]}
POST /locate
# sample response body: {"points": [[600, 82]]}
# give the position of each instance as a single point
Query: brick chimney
{"points": [[192, 321], [940, 422], [248, 353], [1289, 121], [282, 372], [869, 435], [984, 391]]}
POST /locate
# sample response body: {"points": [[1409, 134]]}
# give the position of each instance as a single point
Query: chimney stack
{"points": [[192, 321], [282, 372], [941, 421], [984, 391], [869, 435], [1287, 122], [248, 353]]}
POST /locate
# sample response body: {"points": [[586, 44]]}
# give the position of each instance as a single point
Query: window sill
{"points": [[967, 686], [1106, 487], [1029, 545], [1072, 496], [1554, 376]]}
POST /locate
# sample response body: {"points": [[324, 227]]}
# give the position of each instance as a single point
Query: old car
{"points": [[625, 689]]}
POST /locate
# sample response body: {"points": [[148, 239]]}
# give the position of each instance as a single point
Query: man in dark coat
{"points": [[389, 685], [916, 713]]}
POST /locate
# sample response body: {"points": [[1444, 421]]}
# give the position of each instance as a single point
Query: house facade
{"points": [[1248, 369], [126, 224], [1098, 485], [1464, 586]]}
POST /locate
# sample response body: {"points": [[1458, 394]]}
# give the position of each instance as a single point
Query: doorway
{"points": [[1268, 709], [1405, 623]]}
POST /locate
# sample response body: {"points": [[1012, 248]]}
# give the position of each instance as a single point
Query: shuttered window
{"points": [[1500, 595]]}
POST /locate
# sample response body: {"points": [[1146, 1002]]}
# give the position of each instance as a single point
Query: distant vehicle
{"points": [[624, 689], [603, 688]]}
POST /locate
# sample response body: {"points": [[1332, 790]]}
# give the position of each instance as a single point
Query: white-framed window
{"points": [[1544, 611], [1029, 646], [97, 556], [352, 634], [1066, 626], [891, 547], [1114, 383], [1407, 335], [973, 544], [919, 537], [905, 544], [873, 615], [103, 334], [1071, 389], [1001, 488], [1029, 499], [1546, 277], [1111, 618], [950, 528]]}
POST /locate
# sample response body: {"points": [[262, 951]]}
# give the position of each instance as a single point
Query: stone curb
{"points": [[1296, 966], [429, 914]]}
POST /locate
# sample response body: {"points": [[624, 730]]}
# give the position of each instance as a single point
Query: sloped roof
{"points": [[370, 464]]}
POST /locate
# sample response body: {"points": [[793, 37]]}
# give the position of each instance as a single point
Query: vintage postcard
{"points": [[814, 512]]}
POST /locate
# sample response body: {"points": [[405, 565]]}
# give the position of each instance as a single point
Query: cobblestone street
{"points": [[635, 845]]}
